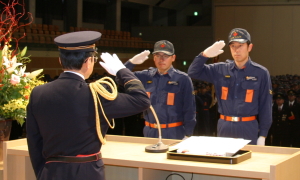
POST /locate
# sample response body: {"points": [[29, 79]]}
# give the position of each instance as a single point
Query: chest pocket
{"points": [[150, 88], [225, 84], [250, 88], [171, 92]]}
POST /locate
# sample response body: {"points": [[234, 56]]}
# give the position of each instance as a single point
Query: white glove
{"points": [[111, 64], [185, 137], [140, 58], [261, 141], [214, 50]]}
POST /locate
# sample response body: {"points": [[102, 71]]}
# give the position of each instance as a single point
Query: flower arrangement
{"points": [[15, 84]]}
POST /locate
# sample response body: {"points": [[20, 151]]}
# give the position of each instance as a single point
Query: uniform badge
{"points": [[149, 82], [251, 78], [173, 82], [283, 117], [227, 76]]}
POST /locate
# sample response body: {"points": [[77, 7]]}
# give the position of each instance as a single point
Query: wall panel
{"points": [[274, 31]]}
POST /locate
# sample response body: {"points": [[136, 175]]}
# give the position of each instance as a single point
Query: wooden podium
{"points": [[125, 158]]}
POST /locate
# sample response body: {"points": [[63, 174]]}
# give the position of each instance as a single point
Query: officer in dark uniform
{"points": [[270, 135], [243, 88], [281, 123], [203, 122], [64, 141], [199, 110], [294, 108], [170, 92]]}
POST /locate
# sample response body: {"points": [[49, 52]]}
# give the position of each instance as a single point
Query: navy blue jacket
{"points": [[184, 108], [61, 121], [254, 78]]}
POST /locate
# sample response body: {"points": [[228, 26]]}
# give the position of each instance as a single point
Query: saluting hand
{"points": [[214, 50], [140, 58], [111, 64]]}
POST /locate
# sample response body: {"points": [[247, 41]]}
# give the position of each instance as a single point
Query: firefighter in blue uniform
{"points": [[64, 140], [243, 88], [170, 92]]}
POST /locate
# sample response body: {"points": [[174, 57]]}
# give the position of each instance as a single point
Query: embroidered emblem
{"points": [[251, 78], [173, 82]]}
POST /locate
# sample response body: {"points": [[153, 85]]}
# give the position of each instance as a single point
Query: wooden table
{"points": [[125, 158]]}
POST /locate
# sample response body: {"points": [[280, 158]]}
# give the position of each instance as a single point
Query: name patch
{"points": [[251, 78]]}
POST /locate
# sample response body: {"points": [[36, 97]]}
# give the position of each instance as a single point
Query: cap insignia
{"points": [[235, 34], [162, 45]]}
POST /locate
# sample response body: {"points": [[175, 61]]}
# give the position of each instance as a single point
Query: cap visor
{"points": [[238, 40], [166, 52]]}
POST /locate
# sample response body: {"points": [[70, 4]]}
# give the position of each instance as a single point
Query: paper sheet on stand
{"points": [[212, 146]]}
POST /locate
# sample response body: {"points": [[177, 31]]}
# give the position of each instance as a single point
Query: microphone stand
{"points": [[160, 147]]}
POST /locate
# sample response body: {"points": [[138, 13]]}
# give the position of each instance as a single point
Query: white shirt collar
{"points": [[76, 73]]}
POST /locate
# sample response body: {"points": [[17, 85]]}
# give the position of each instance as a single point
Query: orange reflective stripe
{"points": [[249, 95], [170, 100], [224, 93], [148, 93]]}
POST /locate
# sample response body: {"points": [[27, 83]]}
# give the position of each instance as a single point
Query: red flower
{"points": [[26, 96], [27, 87]]}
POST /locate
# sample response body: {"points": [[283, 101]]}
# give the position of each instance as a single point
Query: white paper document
{"points": [[211, 146]]}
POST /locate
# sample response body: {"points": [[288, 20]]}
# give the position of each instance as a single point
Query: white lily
{"points": [[35, 73], [11, 65], [21, 71]]}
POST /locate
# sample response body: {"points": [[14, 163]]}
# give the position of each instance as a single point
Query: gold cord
{"points": [[97, 87]]}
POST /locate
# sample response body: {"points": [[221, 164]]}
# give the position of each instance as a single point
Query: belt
{"points": [[75, 159], [236, 119], [170, 125]]}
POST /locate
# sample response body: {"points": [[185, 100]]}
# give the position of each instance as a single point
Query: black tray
{"points": [[238, 157]]}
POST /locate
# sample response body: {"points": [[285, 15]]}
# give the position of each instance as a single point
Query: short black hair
{"points": [[74, 60]]}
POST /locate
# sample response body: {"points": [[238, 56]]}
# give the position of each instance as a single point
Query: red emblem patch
{"points": [[162, 45], [235, 34]]}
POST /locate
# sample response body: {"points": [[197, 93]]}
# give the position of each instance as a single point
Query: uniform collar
{"points": [[170, 72], [247, 66]]}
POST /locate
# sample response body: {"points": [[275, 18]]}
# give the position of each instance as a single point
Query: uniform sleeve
{"points": [[200, 71], [34, 140], [189, 107], [134, 99], [265, 106], [129, 65]]}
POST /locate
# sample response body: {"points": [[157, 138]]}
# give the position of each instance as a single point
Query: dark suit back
{"points": [[61, 122]]}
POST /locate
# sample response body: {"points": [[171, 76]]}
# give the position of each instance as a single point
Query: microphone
{"points": [[160, 147]]}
